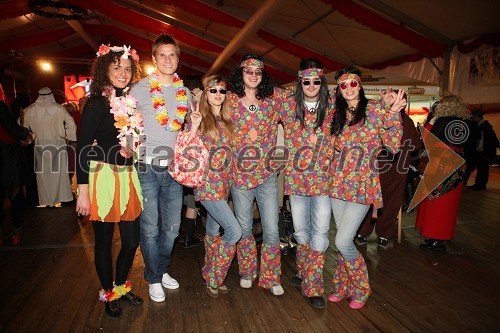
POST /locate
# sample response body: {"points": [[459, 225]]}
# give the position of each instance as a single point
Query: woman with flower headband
{"points": [[360, 129], [108, 184], [307, 117], [216, 131], [254, 104]]}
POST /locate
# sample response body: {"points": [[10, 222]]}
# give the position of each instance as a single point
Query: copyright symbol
{"points": [[456, 132]]}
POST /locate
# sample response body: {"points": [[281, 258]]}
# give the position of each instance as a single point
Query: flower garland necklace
{"points": [[128, 121], [161, 112]]}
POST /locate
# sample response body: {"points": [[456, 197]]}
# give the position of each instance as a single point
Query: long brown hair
{"points": [[209, 124]]}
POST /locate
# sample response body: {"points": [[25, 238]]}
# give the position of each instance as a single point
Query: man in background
{"points": [[485, 153], [53, 128]]}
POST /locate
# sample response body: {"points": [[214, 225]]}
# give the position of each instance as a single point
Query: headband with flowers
{"points": [[349, 76], [252, 62], [311, 72], [215, 83], [127, 51]]}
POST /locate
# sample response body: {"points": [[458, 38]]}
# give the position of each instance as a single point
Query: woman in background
{"points": [[437, 213]]}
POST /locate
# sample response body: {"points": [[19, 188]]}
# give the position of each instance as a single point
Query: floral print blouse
{"points": [[218, 180], [354, 174], [255, 140], [308, 152]]}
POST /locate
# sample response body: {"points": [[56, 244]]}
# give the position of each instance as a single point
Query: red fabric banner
{"points": [[39, 39], [205, 11], [13, 8], [219, 16], [143, 22]]}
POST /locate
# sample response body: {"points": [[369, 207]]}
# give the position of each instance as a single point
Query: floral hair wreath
{"points": [[127, 51], [349, 76], [252, 62], [214, 83]]}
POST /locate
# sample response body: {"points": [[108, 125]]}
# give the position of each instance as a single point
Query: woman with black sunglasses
{"points": [[307, 116], [360, 129], [216, 132]]}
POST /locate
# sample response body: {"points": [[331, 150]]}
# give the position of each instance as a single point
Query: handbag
{"points": [[190, 161]]}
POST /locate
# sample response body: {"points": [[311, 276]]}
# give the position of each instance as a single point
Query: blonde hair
{"points": [[209, 124], [451, 106]]}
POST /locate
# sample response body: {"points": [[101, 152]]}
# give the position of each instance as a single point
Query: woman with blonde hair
{"points": [[437, 214], [216, 132]]}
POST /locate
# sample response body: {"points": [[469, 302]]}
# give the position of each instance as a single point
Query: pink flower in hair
{"points": [[134, 55], [103, 49]]}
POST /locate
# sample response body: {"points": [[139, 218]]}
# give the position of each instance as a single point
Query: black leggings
{"points": [[103, 233], [16, 197]]}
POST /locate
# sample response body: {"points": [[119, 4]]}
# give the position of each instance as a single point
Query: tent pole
{"points": [[445, 74]]}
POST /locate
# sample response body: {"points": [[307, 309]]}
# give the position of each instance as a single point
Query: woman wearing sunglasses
{"points": [[307, 117], [254, 104], [360, 128], [216, 131]]}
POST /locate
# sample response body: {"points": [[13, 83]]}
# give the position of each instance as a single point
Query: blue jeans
{"points": [[348, 217], [311, 220], [221, 215], [266, 195], [160, 220]]}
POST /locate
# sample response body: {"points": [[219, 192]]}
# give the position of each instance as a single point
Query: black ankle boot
{"points": [[190, 241], [113, 310]]}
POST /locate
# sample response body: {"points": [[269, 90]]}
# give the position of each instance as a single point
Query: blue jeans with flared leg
{"points": [[348, 217]]}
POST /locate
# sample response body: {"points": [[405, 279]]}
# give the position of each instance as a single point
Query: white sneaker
{"points": [[169, 282], [156, 292], [245, 284], [277, 290]]}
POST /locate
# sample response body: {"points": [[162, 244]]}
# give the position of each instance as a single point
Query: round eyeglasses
{"points": [[251, 73], [353, 84]]}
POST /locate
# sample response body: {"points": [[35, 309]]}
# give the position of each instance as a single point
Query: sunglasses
{"points": [[214, 91], [308, 82], [251, 73], [353, 84]]}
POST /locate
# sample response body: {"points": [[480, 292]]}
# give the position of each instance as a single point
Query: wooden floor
{"points": [[49, 284]]}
